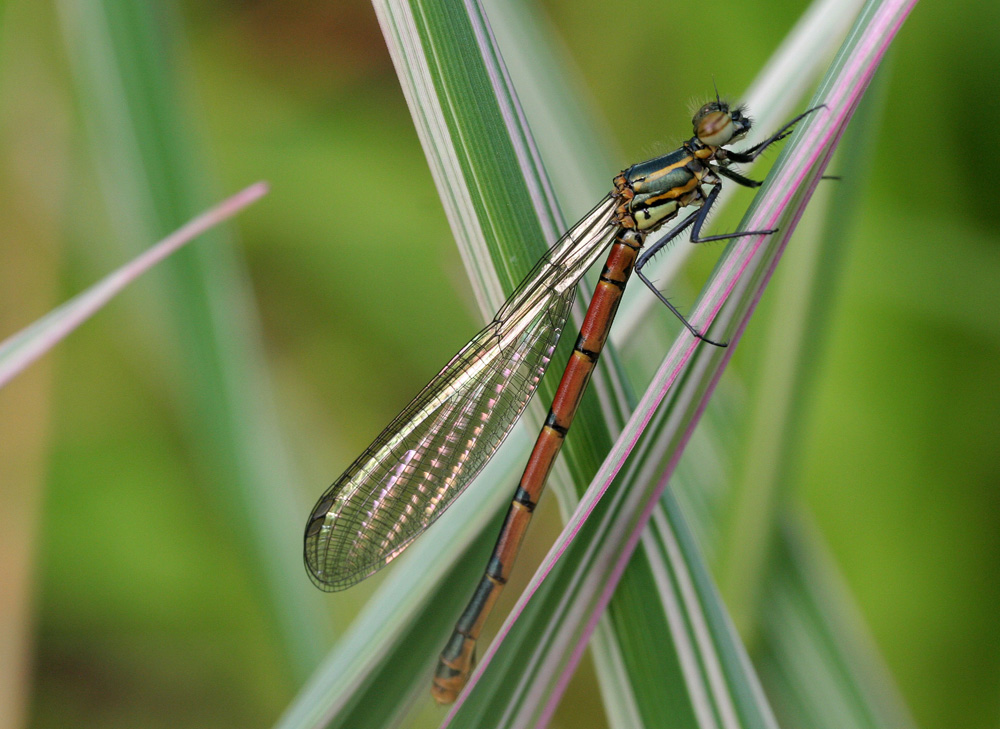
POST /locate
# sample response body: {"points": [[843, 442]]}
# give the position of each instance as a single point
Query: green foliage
{"points": [[156, 604]]}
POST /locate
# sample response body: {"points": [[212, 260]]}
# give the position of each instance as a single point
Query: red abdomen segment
{"points": [[458, 657]]}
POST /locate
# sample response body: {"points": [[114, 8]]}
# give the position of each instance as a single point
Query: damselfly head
{"points": [[715, 124]]}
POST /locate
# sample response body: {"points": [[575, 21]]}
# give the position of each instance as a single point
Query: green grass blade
{"points": [[815, 659], [21, 349], [203, 321]]}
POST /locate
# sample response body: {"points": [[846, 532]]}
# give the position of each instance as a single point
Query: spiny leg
{"points": [[737, 177], [652, 251], [697, 220], [702, 217]]}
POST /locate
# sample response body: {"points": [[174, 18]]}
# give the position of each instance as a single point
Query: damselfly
{"points": [[438, 444]]}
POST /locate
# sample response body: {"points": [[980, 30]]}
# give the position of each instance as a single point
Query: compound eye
{"points": [[714, 128]]}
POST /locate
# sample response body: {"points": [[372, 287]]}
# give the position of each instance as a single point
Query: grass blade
{"points": [[21, 349], [201, 322]]}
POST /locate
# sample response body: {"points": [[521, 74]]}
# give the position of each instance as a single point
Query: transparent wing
{"points": [[438, 444]]}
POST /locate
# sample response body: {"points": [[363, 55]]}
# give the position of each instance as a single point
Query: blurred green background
{"points": [[131, 594]]}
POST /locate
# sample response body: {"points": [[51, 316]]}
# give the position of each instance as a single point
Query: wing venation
{"points": [[434, 448]]}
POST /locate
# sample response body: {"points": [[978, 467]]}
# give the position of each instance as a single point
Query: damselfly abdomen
{"points": [[438, 444]]}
